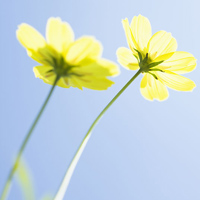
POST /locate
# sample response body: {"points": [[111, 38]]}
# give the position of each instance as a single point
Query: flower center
{"points": [[61, 68], [146, 64]]}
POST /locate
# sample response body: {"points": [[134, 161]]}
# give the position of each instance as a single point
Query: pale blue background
{"points": [[140, 150]]}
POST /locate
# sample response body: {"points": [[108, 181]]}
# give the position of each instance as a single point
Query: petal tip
{"points": [[125, 21], [193, 87], [58, 19]]}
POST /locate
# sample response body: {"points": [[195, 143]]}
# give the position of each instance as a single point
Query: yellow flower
{"points": [[157, 58], [76, 63]]}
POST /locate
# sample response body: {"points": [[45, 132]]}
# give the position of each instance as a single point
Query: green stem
{"points": [[14, 168], [65, 182]]}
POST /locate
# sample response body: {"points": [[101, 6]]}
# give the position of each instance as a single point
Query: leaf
{"points": [[47, 197], [25, 181]]}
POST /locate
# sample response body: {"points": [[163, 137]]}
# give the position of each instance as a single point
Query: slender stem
{"points": [[14, 168], [65, 182]]}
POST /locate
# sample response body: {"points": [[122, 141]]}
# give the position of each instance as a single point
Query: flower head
{"points": [[157, 58], [76, 63]]}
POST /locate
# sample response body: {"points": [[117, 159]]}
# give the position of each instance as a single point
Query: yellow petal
{"points": [[163, 57], [175, 81], [30, 38], [152, 88], [161, 43], [35, 44], [95, 83], [60, 83], [181, 62], [141, 29], [129, 35], [93, 75], [100, 68], [59, 34], [45, 73], [42, 71], [83, 48], [45, 55], [127, 59], [72, 81]]}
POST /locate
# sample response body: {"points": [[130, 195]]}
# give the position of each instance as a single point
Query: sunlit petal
{"points": [[59, 34], [161, 43], [141, 29], [42, 71], [181, 62], [127, 59], [48, 76], [95, 83], [176, 81], [152, 88], [163, 57], [100, 68], [30, 38], [72, 81], [129, 35], [85, 47]]}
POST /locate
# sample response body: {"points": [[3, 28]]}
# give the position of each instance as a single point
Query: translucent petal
{"points": [[42, 71], [72, 81], [95, 83], [175, 81], [83, 48], [100, 68], [141, 29], [35, 44], [181, 62], [129, 35], [45, 55], [163, 57], [61, 83], [152, 88], [30, 38], [59, 34], [45, 73], [127, 59], [161, 43]]}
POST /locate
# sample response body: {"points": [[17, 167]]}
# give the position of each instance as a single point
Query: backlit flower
{"points": [[157, 58], [76, 63]]}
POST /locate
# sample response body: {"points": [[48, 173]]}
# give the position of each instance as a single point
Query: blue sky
{"points": [[140, 150]]}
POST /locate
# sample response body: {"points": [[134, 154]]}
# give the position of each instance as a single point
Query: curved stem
{"points": [[63, 187], [14, 168]]}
